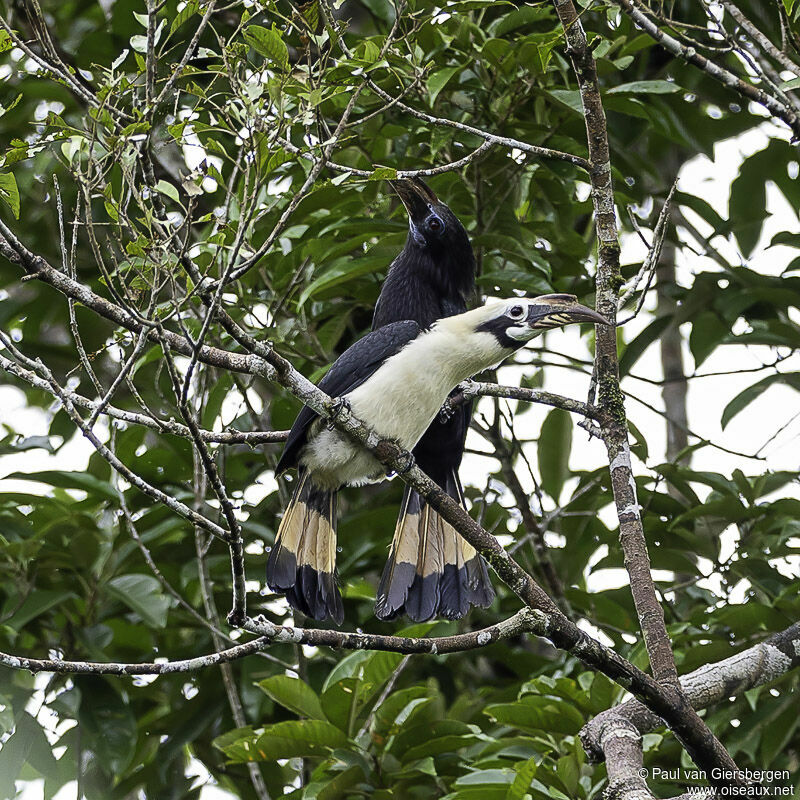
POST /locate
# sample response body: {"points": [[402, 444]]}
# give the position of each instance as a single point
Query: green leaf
{"points": [[748, 395], [343, 270], [486, 777], [334, 787], [285, 740], [16, 445], [703, 209], [64, 479], [142, 594], [708, 331], [637, 346], [134, 129], [537, 714], [9, 192], [268, 42], [15, 752], [569, 771], [439, 745], [106, 723], [139, 43], [410, 742], [294, 694], [495, 51], [525, 774], [383, 174], [438, 80], [646, 87], [555, 443], [189, 10], [776, 736], [35, 605], [569, 97], [165, 187], [747, 206]]}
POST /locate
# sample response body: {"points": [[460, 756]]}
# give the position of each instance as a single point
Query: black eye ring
{"points": [[516, 312]]}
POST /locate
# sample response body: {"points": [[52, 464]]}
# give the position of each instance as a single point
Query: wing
{"points": [[350, 370]]}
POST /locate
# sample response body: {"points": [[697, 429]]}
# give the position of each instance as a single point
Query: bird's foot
{"points": [[407, 461], [338, 405], [447, 411]]}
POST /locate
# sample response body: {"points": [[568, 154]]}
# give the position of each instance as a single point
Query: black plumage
{"points": [[433, 277]]}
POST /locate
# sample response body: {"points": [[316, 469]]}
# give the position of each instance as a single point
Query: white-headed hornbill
{"points": [[433, 277], [394, 379]]}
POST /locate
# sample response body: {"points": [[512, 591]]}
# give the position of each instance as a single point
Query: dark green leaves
{"points": [[107, 722], [708, 330], [438, 80], [555, 444], [532, 713], [259, 84], [294, 694], [269, 43], [282, 740], [748, 395], [142, 594]]}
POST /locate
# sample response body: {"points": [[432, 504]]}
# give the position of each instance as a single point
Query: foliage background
{"points": [[499, 723]]}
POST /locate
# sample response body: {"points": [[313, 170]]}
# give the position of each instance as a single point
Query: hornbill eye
{"points": [[516, 312], [435, 224]]}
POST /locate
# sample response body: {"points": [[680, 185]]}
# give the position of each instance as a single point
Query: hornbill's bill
{"points": [[431, 570], [396, 380]]}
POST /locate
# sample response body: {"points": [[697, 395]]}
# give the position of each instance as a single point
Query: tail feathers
{"points": [[432, 570], [302, 563], [423, 594], [400, 573]]}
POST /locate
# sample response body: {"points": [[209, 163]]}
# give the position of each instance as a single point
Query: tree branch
{"points": [[707, 752], [269, 633], [689, 54], [615, 735]]}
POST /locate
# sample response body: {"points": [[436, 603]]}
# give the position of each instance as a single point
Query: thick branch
{"points": [[707, 752], [614, 426], [616, 735]]}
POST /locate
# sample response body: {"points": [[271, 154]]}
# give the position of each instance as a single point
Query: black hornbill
{"points": [[395, 379], [431, 570]]}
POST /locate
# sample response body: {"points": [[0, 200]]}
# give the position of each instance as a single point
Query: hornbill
{"points": [[431, 570], [394, 379]]}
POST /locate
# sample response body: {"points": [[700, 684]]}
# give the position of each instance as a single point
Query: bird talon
{"points": [[338, 404], [446, 412], [406, 461], [409, 460]]}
